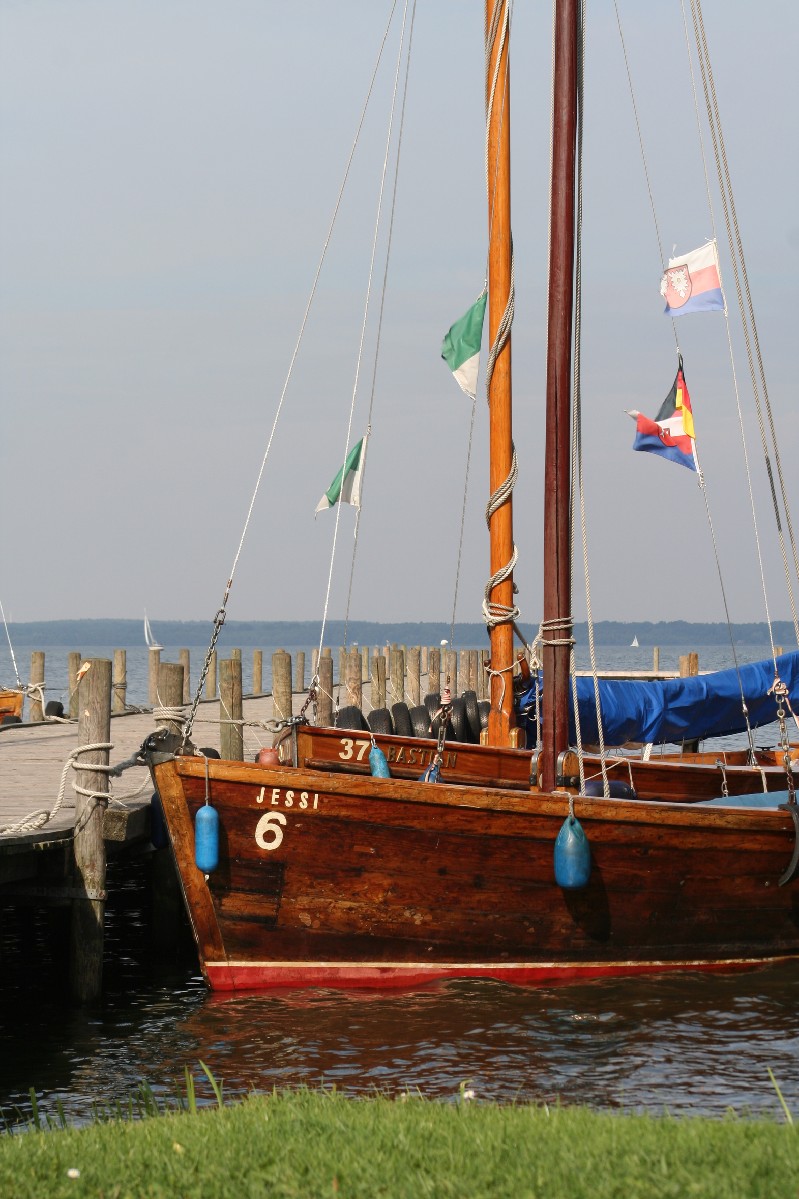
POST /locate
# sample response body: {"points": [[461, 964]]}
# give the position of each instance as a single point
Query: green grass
{"points": [[309, 1143]]}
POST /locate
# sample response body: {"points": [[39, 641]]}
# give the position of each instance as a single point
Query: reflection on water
{"points": [[690, 1044]]}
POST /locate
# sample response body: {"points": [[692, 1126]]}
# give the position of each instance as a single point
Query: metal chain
{"points": [[780, 692], [219, 620]]}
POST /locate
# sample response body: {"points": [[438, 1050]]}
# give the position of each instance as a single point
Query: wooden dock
{"points": [[32, 763]]}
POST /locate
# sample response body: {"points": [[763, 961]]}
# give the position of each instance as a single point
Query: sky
{"points": [[168, 174]]}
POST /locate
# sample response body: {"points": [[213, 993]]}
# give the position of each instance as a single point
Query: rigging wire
{"points": [[700, 476], [463, 521], [577, 481], [219, 619], [385, 282], [746, 310]]}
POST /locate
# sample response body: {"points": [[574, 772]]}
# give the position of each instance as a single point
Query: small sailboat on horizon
{"points": [[148, 635], [634, 643]]}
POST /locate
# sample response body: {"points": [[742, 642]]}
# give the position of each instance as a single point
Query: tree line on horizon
{"points": [[123, 632]]}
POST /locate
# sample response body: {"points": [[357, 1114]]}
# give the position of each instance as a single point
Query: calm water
{"points": [[714, 657], [689, 1044]]}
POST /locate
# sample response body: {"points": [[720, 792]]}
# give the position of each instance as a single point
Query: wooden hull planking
{"points": [[342, 880]]}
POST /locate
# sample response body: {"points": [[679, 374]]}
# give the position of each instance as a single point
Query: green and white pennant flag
{"points": [[346, 486], [461, 346]]}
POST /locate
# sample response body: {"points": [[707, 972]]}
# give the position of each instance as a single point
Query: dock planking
{"points": [[32, 760]]}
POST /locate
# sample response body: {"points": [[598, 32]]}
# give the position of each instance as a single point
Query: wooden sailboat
{"points": [[312, 873]]}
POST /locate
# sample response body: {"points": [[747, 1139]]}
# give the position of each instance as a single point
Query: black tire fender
{"points": [[350, 717], [420, 721], [402, 720], [379, 721], [472, 715], [457, 721]]}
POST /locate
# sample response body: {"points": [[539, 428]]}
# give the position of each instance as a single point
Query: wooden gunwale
{"points": [[444, 795]]}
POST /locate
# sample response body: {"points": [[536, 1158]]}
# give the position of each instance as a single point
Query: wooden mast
{"points": [[500, 719], [557, 549]]}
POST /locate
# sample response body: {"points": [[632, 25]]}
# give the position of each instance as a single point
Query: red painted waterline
{"points": [[264, 976]]}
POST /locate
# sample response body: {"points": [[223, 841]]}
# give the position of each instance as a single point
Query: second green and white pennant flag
{"points": [[461, 346], [346, 486]]}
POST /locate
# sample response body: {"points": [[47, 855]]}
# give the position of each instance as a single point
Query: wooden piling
{"points": [[325, 716], [73, 666], [397, 675], [353, 683], [281, 685], [474, 669], [120, 682], [231, 736], [88, 905], [36, 713], [153, 662], [257, 672], [167, 896], [299, 671], [378, 689], [656, 658], [171, 692], [689, 664], [482, 676], [434, 671], [451, 670], [414, 676], [210, 678], [314, 662], [184, 658]]}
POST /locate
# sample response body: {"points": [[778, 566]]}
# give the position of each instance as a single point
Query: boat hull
{"points": [[338, 880], [675, 778], [11, 703]]}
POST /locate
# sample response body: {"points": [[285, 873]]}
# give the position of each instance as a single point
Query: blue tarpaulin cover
{"points": [[676, 710]]}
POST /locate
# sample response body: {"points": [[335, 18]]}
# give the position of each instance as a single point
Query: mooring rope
{"points": [[38, 819]]}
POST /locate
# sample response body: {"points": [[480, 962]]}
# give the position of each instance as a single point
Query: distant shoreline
{"points": [[42, 633]]}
